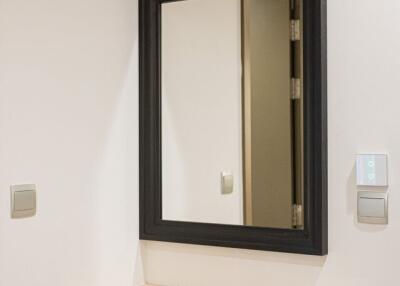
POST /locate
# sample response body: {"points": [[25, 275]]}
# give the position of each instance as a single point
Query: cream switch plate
{"points": [[372, 207], [23, 201]]}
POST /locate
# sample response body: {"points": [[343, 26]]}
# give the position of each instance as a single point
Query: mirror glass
{"points": [[232, 112]]}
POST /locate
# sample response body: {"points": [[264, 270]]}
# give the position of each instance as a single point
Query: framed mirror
{"points": [[233, 123]]}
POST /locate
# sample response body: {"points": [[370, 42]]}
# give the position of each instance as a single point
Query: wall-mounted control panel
{"points": [[23, 201], [372, 170], [372, 207]]}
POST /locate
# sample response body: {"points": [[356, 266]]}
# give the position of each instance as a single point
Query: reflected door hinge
{"points": [[297, 216], [295, 88], [295, 31]]}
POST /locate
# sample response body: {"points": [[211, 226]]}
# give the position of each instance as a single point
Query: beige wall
{"points": [[363, 100]]}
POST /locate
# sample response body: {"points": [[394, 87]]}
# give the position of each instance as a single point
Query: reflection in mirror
{"points": [[232, 112]]}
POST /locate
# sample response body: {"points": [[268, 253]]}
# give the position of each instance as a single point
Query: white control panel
{"points": [[372, 170]]}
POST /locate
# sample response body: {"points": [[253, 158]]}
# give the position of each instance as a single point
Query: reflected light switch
{"points": [[226, 182]]}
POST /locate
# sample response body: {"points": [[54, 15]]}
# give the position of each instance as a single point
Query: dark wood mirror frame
{"points": [[313, 239]]}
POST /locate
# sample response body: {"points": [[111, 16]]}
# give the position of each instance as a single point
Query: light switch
{"points": [[372, 207], [372, 170], [226, 182], [23, 201]]}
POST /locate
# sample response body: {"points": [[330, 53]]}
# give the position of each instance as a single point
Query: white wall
{"points": [[68, 91], [364, 61], [68, 122], [201, 53]]}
